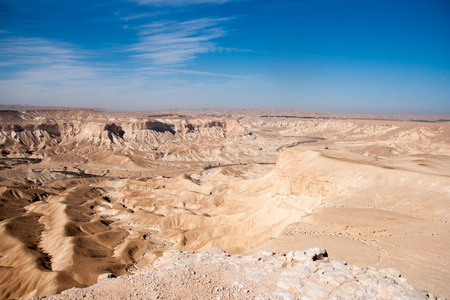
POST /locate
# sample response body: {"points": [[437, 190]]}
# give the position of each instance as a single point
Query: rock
{"points": [[336, 277], [285, 295], [290, 283], [266, 253], [251, 258], [104, 276], [255, 274], [215, 251], [296, 271], [391, 272], [318, 290], [276, 261], [171, 252], [317, 253], [213, 274], [308, 254], [298, 255], [356, 270], [340, 264]]}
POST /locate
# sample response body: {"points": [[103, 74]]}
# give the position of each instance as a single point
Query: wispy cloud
{"points": [[155, 71], [46, 62], [50, 72], [169, 43], [47, 72], [213, 74], [178, 2], [140, 16], [21, 50]]}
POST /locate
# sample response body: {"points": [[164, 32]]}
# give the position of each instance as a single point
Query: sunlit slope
{"points": [[76, 233], [392, 212]]}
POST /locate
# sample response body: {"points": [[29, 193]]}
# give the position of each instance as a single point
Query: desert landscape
{"points": [[224, 149], [86, 192]]}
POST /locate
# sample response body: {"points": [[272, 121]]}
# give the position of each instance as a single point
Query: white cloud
{"points": [[59, 75], [140, 16], [193, 72], [168, 43], [39, 61], [47, 72], [160, 71], [20, 50], [178, 2]]}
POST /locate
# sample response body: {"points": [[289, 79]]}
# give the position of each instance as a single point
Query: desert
{"points": [[88, 192], [224, 149]]}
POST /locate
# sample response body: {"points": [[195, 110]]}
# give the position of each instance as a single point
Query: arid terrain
{"points": [[87, 192]]}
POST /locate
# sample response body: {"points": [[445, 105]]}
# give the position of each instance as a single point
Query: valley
{"points": [[83, 192]]}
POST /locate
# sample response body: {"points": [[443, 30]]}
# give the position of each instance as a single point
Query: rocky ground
{"points": [[213, 274], [83, 193]]}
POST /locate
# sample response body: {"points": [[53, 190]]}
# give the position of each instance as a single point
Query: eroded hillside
{"points": [[83, 193]]}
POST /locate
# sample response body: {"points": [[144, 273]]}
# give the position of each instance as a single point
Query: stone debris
{"points": [[213, 274], [104, 276], [309, 254]]}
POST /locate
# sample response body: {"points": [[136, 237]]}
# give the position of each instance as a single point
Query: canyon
{"points": [[86, 192]]}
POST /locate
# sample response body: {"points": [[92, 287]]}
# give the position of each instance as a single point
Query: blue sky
{"points": [[351, 56]]}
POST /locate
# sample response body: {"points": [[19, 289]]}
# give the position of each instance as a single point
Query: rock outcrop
{"points": [[213, 274]]}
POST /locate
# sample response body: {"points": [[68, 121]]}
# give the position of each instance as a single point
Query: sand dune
{"points": [[84, 193]]}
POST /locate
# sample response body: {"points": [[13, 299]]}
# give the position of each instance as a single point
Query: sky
{"points": [[345, 56]]}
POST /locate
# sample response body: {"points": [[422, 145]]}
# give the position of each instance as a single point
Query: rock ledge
{"points": [[213, 274]]}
